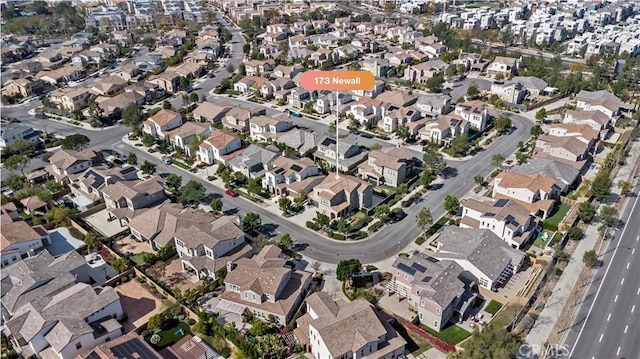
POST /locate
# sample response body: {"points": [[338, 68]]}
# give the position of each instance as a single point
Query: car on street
{"points": [[295, 114], [166, 160], [366, 135], [231, 193]]}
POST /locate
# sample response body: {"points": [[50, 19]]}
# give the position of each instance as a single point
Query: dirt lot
{"points": [[138, 303]]}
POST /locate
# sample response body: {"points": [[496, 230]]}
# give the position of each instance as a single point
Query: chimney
{"points": [[230, 266]]}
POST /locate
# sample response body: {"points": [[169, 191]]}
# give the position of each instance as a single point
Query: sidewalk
{"points": [[555, 304]]}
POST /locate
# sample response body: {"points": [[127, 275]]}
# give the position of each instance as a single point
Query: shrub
{"points": [[557, 271], [191, 321], [75, 233], [358, 225], [549, 226], [375, 226], [406, 203], [371, 268], [420, 240], [225, 352], [338, 236], [312, 225]]}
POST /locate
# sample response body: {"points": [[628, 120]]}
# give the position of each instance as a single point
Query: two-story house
{"points": [[440, 104], [436, 290], [237, 119], [15, 131], [326, 102], [87, 187], [248, 84], [535, 192], [167, 80], [389, 166], [264, 128], [348, 155], [342, 329], [291, 176], [19, 240], [182, 136], [506, 66], [603, 101], [368, 110], [66, 163], [252, 161], [269, 88], [258, 67], [480, 252], [443, 129], [70, 99], [504, 217], [264, 286], [569, 142], [339, 195], [159, 124], [474, 112], [206, 247], [220, 143], [212, 112], [130, 196]]}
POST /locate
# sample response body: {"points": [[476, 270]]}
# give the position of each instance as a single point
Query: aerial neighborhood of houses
{"points": [[170, 189]]}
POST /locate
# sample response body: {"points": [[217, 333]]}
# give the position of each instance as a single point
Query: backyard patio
{"points": [[100, 221]]}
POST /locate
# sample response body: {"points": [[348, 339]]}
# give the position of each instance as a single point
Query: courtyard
{"points": [[138, 303], [102, 223], [131, 246]]}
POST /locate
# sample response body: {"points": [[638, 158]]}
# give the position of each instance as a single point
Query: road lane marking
{"points": [[633, 250], [595, 299], [608, 317], [638, 292], [622, 281], [601, 335], [637, 238], [629, 263], [615, 299], [633, 309], [618, 352], [626, 327]]}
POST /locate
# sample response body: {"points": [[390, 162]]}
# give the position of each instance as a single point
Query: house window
{"points": [[438, 311], [78, 345]]}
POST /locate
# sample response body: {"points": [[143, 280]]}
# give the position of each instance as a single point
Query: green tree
{"points": [[426, 177], [497, 160], [184, 82], [424, 219], [590, 258], [225, 176], [322, 219], [343, 226], [253, 186], [575, 233], [76, 142], [148, 168], [601, 186], [624, 186], [17, 163], [536, 131], [434, 84], [382, 212], [502, 123], [148, 140], [472, 92], [271, 346], [494, 341], [586, 211], [433, 160], [191, 193], [166, 105], [479, 180], [132, 115], [541, 115], [451, 204], [403, 132], [522, 157], [58, 215], [155, 322], [20, 147], [173, 182], [132, 159], [460, 145], [121, 264], [92, 240], [193, 97], [608, 216], [285, 204], [239, 178], [347, 268], [251, 222], [216, 205], [286, 242], [230, 68]]}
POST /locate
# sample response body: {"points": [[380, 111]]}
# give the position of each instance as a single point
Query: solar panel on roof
{"points": [[501, 203], [405, 268], [418, 267], [128, 348], [296, 168], [93, 355], [490, 214]]}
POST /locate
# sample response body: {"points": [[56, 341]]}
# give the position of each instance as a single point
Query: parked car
{"points": [[295, 114], [366, 135], [166, 160], [231, 193]]}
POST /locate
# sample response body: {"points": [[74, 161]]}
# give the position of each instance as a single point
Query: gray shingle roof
{"points": [[563, 174]]}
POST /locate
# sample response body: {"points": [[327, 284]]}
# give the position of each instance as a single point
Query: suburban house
{"points": [[263, 128], [70, 99], [248, 84], [422, 72], [34, 205], [207, 244], [342, 329], [24, 86], [129, 344], [51, 311], [471, 61], [443, 129], [596, 119], [505, 66], [603, 101], [348, 155], [480, 252], [339, 195], [167, 80], [439, 104], [439, 291], [509, 91], [182, 136], [389, 166], [220, 143], [159, 124], [237, 119], [565, 175], [506, 218], [288, 72], [87, 187], [569, 141], [212, 112], [265, 286], [19, 240], [258, 67], [16, 131], [327, 102], [252, 161], [397, 117], [290, 176], [124, 198], [303, 141], [269, 88], [378, 67], [108, 86], [535, 192], [474, 112], [65, 163], [368, 110]]}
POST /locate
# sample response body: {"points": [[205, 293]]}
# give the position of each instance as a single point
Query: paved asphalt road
{"points": [[608, 322]]}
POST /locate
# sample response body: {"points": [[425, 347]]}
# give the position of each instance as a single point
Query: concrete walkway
{"points": [[555, 304]]}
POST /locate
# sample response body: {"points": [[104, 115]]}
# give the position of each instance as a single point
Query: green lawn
{"points": [[541, 243], [436, 226], [169, 337], [138, 259], [558, 215], [493, 307], [506, 315], [452, 334]]}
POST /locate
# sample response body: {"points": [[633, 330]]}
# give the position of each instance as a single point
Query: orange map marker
{"points": [[337, 80]]}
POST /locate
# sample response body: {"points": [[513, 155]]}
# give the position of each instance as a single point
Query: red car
{"points": [[231, 193]]}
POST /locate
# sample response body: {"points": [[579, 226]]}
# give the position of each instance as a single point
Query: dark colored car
{"points": [[231, 193], [366, 135]]}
